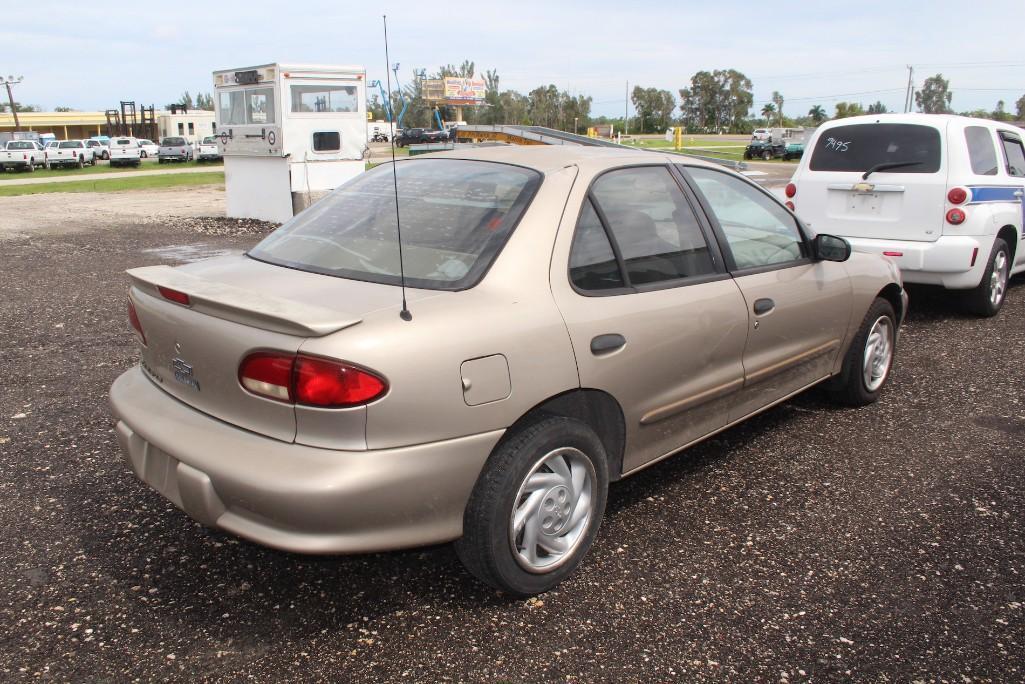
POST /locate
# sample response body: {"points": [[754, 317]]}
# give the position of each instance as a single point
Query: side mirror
{"points": [[831, 248]]}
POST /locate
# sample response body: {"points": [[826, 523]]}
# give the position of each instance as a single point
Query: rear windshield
{"points": [[121, 142], [456, 216], [860, 147], [21, 146], [70, 144], [171, 142], [210, 140]]}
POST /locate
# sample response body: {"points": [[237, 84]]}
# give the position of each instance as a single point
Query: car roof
{"points": [[545, 158], [938, 120]]}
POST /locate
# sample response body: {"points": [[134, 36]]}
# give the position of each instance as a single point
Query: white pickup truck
{"points": [[125, 151], [22, 154], [71, 153]]}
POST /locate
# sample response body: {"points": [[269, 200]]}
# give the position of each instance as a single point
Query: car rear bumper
{"points": [[289, 496], [173, 157], [948, 261]]}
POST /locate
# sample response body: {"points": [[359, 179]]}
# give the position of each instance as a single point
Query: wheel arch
{"points": [[599, 410], [1009, 234], [891, 293]]}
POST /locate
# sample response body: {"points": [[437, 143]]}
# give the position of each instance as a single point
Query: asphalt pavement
{"points": [[812, 543]]}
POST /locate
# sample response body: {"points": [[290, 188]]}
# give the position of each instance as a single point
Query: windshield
{"points": [[69, 144], [173, 142], [456, 216], [860, 147]]}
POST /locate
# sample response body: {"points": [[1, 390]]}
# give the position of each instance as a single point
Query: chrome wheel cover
{"points": [[878, 353], [552, 510], [998, 279]]}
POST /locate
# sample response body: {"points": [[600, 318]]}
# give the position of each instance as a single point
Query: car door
{"points": [[1014, 165], [654, 318], [798, 308]]}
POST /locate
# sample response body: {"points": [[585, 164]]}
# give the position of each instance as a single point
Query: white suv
{"points": [[941, 195]]}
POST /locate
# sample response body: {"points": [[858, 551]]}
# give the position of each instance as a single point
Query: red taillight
{"points": [[133, 318], [308, 380], [955, 217], [791, 190], [332, 384], [268, 374], [790, 205], [893, 254], [175, 296], [975, 255], [957, 195]]}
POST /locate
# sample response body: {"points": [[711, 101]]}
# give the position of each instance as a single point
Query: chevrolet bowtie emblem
{"points": [[863, 187]]}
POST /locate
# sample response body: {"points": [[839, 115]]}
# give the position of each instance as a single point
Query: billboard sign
{"points": [[454, 90]]}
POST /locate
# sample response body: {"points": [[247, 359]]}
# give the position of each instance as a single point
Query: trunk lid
{"points": [[899, 203], [238, 306]]}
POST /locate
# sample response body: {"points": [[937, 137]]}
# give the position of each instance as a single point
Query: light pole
{"points": [[9, 81], [575, 119]]}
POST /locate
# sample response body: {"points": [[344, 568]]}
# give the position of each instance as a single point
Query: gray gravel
{"points": [[810, 544]]}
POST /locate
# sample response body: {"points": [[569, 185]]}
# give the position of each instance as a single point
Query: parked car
{"points": [[125, 152], [148, 147], [24, 155], [411, 136], [71, 153], [207, 150], [174, 149], [99, 148], [940, 195], [434, 136], [760, 134], [570, 316]]}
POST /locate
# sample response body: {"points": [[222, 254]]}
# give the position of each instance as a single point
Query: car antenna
{"points": [[404, 314]]}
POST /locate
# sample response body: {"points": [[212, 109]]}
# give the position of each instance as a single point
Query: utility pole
{"points": [[9, 81], [907, 96], [626, 103]]}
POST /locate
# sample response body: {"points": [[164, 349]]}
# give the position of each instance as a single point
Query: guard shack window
{"points": [[249, 106], [327, 141], [324, 98]]}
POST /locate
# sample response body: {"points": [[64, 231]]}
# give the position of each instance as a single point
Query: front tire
{"points": [[986, 299], [869, 360], [536, 507]]}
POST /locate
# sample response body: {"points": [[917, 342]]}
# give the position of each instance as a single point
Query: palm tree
{"points": [[817, 114], [777, 99], [767, 111]]}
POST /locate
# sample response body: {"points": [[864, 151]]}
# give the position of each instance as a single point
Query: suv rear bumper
{"points": [[289, 496], [948, 261]]}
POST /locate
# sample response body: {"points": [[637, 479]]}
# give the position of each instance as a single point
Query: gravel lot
{"points": [[810, 544]]}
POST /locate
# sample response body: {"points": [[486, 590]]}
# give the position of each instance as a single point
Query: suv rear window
{"points": [[456, 215], [860, 147]]}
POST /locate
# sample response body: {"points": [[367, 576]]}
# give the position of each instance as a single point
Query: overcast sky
{"points": [[91, 54]]}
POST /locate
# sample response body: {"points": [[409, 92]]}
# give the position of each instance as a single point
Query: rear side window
{"points": [[860, 147], [981, 153], [456, 216], [1014, 154], [653, 225]]}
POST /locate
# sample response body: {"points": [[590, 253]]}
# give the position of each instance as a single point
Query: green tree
{"points": [[935, 96], [1000, 113], [1020, 107], [205, 102], [817, 114], [768, 111], [654, 108], [19, 107], [777, 99], [716, 101], [877, 108], [61, 108], [186, 99], [845, 109]]}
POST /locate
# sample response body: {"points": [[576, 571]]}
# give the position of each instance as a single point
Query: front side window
{"points": [[759, 231], [592, 263], [981, 154], [324, 98], [889, 148], [653, 225], [456, 216], [1014, 154]]}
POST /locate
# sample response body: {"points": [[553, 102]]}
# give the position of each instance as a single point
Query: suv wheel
{"points": [[866, 367], [536, 507], [988, 297]]}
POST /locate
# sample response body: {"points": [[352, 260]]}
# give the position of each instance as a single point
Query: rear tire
{"points": [[766, 156], [869, 360], [81, 162], [31, 165], [986, 299], [536, 507]]}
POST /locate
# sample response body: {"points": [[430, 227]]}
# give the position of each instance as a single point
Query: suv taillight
{"points": [[791, 190], [956, 217], [133, 318], [957, 195], [309, 380]]}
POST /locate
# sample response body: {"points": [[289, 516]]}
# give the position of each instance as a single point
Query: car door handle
{"points": [[763, 306], [604, 344]]}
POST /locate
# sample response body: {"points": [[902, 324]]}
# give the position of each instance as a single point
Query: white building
{"points": [[195, 125]]}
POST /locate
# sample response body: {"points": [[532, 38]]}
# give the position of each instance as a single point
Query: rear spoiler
{"points": [[242, 306]]}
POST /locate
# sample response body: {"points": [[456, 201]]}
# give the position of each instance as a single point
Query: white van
{"points": [[939, 194]]}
